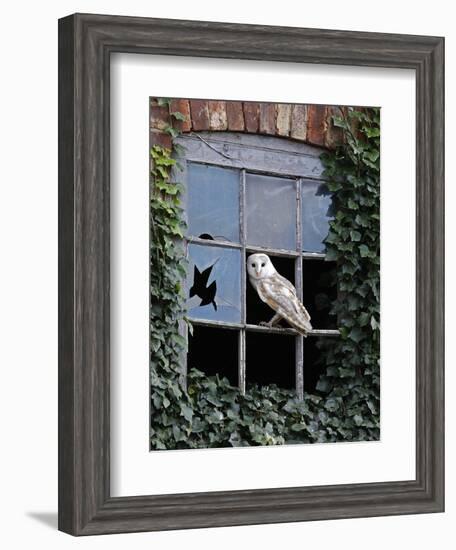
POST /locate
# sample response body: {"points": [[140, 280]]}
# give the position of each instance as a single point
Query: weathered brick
{"points": [[316, 124], [181, 106], [334, 136], [299, 122], [160, 138], [217, 115], [235, 116], [200, 114], [267, 118], [251, 116], [283, 119], [159, 116]]}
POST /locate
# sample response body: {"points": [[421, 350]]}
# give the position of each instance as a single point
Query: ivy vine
{"points": [[208, 411]]}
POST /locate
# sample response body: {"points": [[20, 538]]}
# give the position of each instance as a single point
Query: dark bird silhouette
{"points": [[200, 288]]}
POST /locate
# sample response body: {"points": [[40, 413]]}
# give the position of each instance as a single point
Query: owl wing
{"points": [[281, 296]]}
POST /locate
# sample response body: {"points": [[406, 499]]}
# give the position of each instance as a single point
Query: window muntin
{"points": [[301, 260]]}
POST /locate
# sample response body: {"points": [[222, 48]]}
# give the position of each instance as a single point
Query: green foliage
{"points": [[208, 412], [352, 362]]}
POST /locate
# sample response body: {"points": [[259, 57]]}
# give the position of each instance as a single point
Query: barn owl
{"points": [[278, 293]]}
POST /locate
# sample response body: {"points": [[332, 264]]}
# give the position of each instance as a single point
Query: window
{"points": [[247, 194]]}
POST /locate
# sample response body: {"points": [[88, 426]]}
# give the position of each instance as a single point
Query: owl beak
{"points": [[257, 272]]}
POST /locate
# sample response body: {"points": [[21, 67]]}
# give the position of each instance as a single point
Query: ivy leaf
{"points": [[187, 412], [298, 427], [364, 318], [166, 402], [372, 155], [362, 220], [179, 116], [171, 131], [364, 251], [358, 419], [331, 405], [355, 235], [176, 432], [356, 334], [323, 385], [374, 324], [340, 122], [331, 255], [372, 132]]}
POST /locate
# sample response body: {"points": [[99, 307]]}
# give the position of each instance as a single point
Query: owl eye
{"points": [[253, 265], [263, 264]]}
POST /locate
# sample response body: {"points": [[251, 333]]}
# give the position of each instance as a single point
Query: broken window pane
{"points": [[316, 215], [271, 211], [213, 202], [214, 283]]}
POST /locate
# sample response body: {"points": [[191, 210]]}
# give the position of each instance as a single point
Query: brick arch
{"points": [[311, 124]]}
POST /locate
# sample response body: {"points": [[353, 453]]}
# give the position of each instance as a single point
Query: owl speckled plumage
{"points": [[278, 293]]}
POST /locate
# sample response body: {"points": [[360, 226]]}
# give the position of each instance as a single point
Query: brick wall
{"points": [[307, 123]]}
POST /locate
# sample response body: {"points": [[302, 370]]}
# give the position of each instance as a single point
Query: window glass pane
{"points": [[214, 283], [213, 202], [316, 215], [271, 211]]}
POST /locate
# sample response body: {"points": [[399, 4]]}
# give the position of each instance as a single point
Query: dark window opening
{"points": [[313, 365], [319, 292], [257, 310], [270, 359], [214, 351]]}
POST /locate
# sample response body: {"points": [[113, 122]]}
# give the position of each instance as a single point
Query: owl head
{"points": [[260, 266]]}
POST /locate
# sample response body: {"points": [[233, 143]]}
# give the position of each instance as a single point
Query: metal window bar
{"points": [[299, 346], [242, 338]]}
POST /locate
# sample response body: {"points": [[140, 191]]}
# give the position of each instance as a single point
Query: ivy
{"points": [[352, 362], [208, 411]]}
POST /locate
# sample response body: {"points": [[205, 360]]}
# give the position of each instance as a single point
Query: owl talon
{"points": [[265, 324]]}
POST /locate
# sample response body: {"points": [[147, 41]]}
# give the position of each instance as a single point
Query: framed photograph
{"points": [[250, 274]]}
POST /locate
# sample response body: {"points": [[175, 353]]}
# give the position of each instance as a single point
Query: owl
{"points": [[278, 293]]}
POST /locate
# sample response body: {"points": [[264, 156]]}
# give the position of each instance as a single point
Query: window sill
{"points": [[259, 328]]}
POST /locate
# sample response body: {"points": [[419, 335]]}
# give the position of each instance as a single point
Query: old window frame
{"points": [[265, 155], [86, 505]]}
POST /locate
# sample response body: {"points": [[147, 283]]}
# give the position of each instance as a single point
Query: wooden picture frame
{"points": [[85, 45]]}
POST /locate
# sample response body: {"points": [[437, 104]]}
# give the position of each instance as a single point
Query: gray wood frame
{"points": [[85, 45], [274, 156]]}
